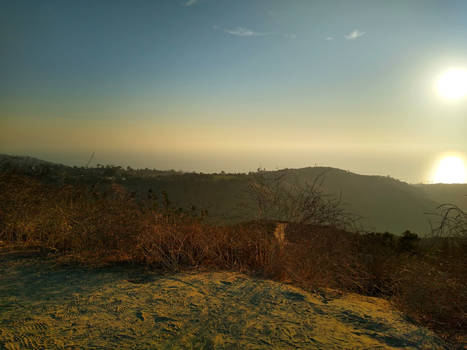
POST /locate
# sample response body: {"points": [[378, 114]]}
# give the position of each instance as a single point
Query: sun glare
{"points": [[452, 84], [450, 169]]}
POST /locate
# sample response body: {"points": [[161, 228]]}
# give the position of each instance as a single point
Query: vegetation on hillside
{"points": [[383, 203], [106, 223]]}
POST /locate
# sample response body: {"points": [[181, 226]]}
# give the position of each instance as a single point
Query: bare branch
{"points": [[281, 199]]}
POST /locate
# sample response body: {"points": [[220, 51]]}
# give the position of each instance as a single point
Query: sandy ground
{"points": [[46, 306]]}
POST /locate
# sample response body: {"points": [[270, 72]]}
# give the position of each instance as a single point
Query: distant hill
{"points": [[446, 193], [7, 161], [385, 204]]}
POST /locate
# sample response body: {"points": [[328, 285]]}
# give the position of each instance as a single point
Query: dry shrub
{"points": [[20, 200], [434, 298], [172, 245], [74, 220], [320, 256], [252, 248], [188, 243], [425, 278]]}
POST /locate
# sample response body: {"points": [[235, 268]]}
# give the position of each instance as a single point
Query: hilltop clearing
{"points": [[43, 305]]}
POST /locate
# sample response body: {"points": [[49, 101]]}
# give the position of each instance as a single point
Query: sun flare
{"points": [[452, 84], [450, 169]]}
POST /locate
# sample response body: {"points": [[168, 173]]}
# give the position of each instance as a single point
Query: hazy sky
{"points": [[233, 85]]}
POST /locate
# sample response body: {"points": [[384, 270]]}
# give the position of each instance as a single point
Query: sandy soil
{"points": [[46, 306]]}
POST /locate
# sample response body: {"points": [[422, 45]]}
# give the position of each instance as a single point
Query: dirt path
{"points": [[43, 306]]}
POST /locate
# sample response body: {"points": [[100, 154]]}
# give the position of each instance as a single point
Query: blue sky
{"points": [[221, 84]]}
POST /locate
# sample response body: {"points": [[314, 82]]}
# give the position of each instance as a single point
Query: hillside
{"points": [[446, 193], [384, 203]]}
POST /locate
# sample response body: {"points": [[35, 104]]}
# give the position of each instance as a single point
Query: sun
{"points": [[450, 169], [452, 84]]}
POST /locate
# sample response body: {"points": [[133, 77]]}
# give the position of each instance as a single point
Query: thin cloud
{"points": [[241, 31], [290, 36], [354, 35], [190, 3], [329, 38]]}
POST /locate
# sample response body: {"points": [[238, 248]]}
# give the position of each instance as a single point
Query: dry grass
{"points": [[427, 278]]}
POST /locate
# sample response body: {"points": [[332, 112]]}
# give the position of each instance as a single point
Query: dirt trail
{"points": [[43, 306]]}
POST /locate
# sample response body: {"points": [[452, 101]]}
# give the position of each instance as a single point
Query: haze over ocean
{"points": [[206, 85]]}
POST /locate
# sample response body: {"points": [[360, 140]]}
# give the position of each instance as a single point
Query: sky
{"points": [[234, 85]]}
